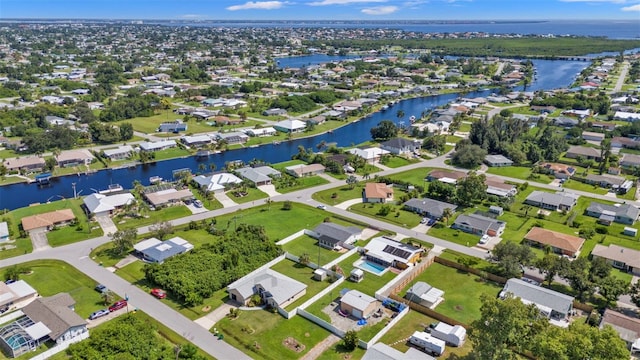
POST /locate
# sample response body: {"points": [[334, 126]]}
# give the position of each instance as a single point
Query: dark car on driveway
{"points": [[118, 305], [98, 314], [101, 288]]}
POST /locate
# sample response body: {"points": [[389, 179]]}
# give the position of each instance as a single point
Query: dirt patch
{"points": [[307, 334], [458, 308], [293, 344], [206, 308]]}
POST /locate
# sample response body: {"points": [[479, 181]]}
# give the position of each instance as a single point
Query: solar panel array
{"points": [[389, 249]]}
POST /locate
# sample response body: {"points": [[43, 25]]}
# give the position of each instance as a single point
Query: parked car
{"points": [[197, 203], [10, 281], [158, 293], [321, 207], [118, 305], [101, 288], [430, 222], [484, 239], [97, 314]]}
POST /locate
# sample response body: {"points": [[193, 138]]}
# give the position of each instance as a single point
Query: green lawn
{"points": [[461, 291], [580, 186], [416, 321], [415, 176], [442, 231], [50, 277], [396, 216], [253, 194], [453, 139], [305, 244], [398, 161], [304, 275], [70, 234], [302, 183], [339, 352], [172, 153], [260, 334], [517, 172], [149, 125], [164, 214], [342, 194]]}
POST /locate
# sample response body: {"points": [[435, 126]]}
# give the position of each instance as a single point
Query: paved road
{"points": [[621, 78]]}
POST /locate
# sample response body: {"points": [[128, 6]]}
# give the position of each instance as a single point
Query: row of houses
{"points": [[66, 158]]}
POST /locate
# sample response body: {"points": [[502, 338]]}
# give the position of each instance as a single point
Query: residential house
{"points": [[626, 116], [630, 161], [371, 155], [275, 289], [377, 193], [447, 176], [101, 205], [265, 131], [626, 326], [619, 257], [216, 182], [429, 207], [196, 140], [335, 236], [620, 213], [559, 243], [302, 170], [624, 142], [593, 136], [155, 251], [399, 146], [54, 318], [565, 122], [234, 137], [452, 335], [497, 160], [4, 231], [274, 112], [424, 294], [259, 175], [173, 126], [617, 183], [498, 187], [389, 252], [16, 295], [358, 304], [47, 221], [381, 351], [290, 126], [560, 171], [120, 153], [552, 201], [157, 145], [577, 113], [70, 158], [552, 304], [25, 164], [479, 225], [162, 197], [583, 152]]}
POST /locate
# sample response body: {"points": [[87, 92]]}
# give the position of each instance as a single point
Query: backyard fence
{"points": [[60, 348], [293, 237], [385, 329], [322, 323], [409, 276], [482, 274], [426, 311]]}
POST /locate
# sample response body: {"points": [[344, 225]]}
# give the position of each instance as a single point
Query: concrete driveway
{"points": [[194, 209], [224, 200], [39, 240], [269, 190], [107, 225], [345, 204]]}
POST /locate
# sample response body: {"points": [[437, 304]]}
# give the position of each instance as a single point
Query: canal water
{"points": [[551, 74]]}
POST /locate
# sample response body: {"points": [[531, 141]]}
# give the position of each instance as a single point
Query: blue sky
{"points": [[324, 9]]}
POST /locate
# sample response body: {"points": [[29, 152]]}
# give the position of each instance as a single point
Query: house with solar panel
{"points": [[157, 251], [391, 253]]}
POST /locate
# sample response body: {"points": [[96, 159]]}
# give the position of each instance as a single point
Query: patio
{"points": [[346, 323]]}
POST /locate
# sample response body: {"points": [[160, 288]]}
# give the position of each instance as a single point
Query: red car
{"points": [[159, 293], [118, 305]]}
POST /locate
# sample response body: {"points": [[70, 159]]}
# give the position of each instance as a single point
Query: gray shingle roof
{"points": [[336, 231], [258, 174], [539, 295], [55, 313], [281, 287], [624, 210], [478, 222], [433, 207], [557, 199]]}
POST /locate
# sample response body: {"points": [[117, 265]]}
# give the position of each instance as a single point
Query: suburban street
{"points": [[77, 254]]}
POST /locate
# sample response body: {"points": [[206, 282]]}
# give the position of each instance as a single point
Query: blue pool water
{"points": [[372, 268]]}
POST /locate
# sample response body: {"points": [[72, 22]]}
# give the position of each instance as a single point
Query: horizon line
{"points": [[197, 19]]}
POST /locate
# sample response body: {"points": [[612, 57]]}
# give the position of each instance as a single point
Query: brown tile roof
{"points": [[22, 162], [630, 257], [498, 183], [628, 327], [559, 168], [439, 174], [555, 239], [377, 191], [47, 219]]}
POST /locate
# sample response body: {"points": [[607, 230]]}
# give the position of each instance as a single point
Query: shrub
{"points": [[602, 230]]}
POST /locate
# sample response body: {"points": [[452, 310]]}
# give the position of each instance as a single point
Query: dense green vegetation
{"points": [[537, 47], [199, 273]]}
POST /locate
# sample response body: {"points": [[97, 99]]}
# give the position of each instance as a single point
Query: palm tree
{"points": [[526, 209], [202, 167], [212, 167], [268, 201], [400, 114], [447, 213], [304, 259]]}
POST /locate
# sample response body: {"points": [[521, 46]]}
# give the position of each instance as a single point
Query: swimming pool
{"points": [[373, 268]]}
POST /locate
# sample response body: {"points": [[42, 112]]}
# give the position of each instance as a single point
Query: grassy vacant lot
{"points": [[172, 153], [70, 234], [305, 244], [50, 277], [339, 352], [149, 125], [461, 291], [303, 274], [168, 213], [517, 172], [415, 321], [398, 161], [396, 216], [440, 230], [260, 334], [302, 183], [415, 176], [580, 186], [252, 195], [343, 194]]}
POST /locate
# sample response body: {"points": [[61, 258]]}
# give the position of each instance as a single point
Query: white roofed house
{"points": [[372, 154], [155, 251], [216, 182], [302, 170], [196, 140], [234, 137], [157, 145], [290, 126], [389, 252], [4, 231], [497, 160], [265, 131], [274, 289], [452, 335], [358, 304], [120, 153], [400, 146], [558, 201], [260, 175], [100, 204]]}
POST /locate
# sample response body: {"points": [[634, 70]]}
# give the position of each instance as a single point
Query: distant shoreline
{"points": [[248, 21]]}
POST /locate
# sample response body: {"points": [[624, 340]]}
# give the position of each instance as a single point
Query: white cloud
{"points": [[258, 5], [343, 2], [631, 8], [380, 10]]}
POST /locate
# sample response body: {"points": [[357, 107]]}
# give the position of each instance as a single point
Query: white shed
{"points": [[452, 335], [630, 231]]}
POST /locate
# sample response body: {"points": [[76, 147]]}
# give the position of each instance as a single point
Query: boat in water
{"points": [[155, 179]]}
